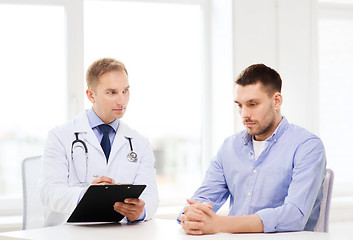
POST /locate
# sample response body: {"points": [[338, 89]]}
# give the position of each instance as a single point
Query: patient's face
{"points": [[257, 110]]}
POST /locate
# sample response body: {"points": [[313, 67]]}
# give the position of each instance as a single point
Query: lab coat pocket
{"points": [[127, 171]]}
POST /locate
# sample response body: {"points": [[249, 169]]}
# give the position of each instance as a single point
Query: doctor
{"points": [[97, 148]]}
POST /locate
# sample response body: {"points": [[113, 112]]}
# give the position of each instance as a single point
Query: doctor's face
{"points": [[111, 96], [259, 111]]}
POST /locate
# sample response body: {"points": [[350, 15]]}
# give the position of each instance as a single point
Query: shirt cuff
{"points": [[269, 219], [140, 218], [178, 218], [81, 195]]}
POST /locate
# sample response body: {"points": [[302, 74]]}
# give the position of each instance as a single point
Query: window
{"points": [[163, 55], [33, 98], [47, 45]]}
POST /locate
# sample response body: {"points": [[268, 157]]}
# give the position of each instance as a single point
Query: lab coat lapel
{"points": [[82, 126], [119, 140]]}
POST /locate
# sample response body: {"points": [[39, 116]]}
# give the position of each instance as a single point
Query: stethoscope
{"points": [[132, 156], [78, 143]]}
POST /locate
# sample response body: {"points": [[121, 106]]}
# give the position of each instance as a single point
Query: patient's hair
{"points": [[255, 73], [100, 67]]}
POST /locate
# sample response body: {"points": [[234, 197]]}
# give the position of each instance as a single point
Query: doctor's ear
{"points": [[90, 95]]}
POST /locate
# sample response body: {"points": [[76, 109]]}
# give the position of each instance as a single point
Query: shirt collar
{"points": [[281, 128], [95, 121]]}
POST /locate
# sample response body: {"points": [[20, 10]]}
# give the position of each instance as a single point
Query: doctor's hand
{"points": [[132, 208], [102, 180], [198, 218]]}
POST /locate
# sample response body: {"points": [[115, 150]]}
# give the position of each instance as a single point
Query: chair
{"points": [[323, 221], [33, 210]]}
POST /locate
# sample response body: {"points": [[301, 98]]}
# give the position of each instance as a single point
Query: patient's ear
{"points": [[277, 98]]}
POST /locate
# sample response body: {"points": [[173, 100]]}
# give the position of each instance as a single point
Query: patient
{"points": [[273, 171]]}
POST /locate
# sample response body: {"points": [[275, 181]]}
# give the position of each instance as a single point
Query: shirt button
{"points": [[249, 193], [254, 171]]}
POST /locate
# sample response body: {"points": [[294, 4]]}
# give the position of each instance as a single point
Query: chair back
{"points": [[33, 210], [323, 222]]}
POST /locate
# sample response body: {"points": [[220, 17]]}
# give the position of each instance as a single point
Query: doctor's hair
{"points": [[100, 67], [268, 77]]}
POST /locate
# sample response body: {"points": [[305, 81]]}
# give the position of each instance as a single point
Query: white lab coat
{"points": [[60, 186]]}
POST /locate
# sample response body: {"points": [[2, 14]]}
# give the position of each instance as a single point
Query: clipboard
{"points": [[97, 203]]}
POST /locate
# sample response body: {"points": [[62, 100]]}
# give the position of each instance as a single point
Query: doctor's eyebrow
{"points": [[126, 89], [116, 90]]}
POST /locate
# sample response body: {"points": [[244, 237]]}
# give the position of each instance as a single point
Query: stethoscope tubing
{"points": [[79, 141], [132, 156]]}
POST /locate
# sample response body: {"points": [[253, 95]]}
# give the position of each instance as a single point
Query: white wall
{"points": [[280, 33], [283, 35]]}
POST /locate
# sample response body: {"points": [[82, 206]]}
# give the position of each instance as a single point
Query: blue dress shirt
{"points": [[283, 187]]}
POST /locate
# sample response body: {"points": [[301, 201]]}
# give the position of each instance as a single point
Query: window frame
{"points": [[12, 205]]}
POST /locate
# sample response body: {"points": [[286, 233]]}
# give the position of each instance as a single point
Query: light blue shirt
{"points": [[94, 122], [283, 187]]}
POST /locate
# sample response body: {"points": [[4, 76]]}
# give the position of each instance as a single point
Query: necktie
{"points": [[105, 143]]}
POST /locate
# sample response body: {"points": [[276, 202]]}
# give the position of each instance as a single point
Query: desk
{"points": [[156, 229]]}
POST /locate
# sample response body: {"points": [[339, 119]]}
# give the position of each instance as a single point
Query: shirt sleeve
{"points": [[305, 187], [214, 187]]}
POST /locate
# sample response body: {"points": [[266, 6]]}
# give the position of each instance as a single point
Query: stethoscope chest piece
{"points": [[132, 157]]}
